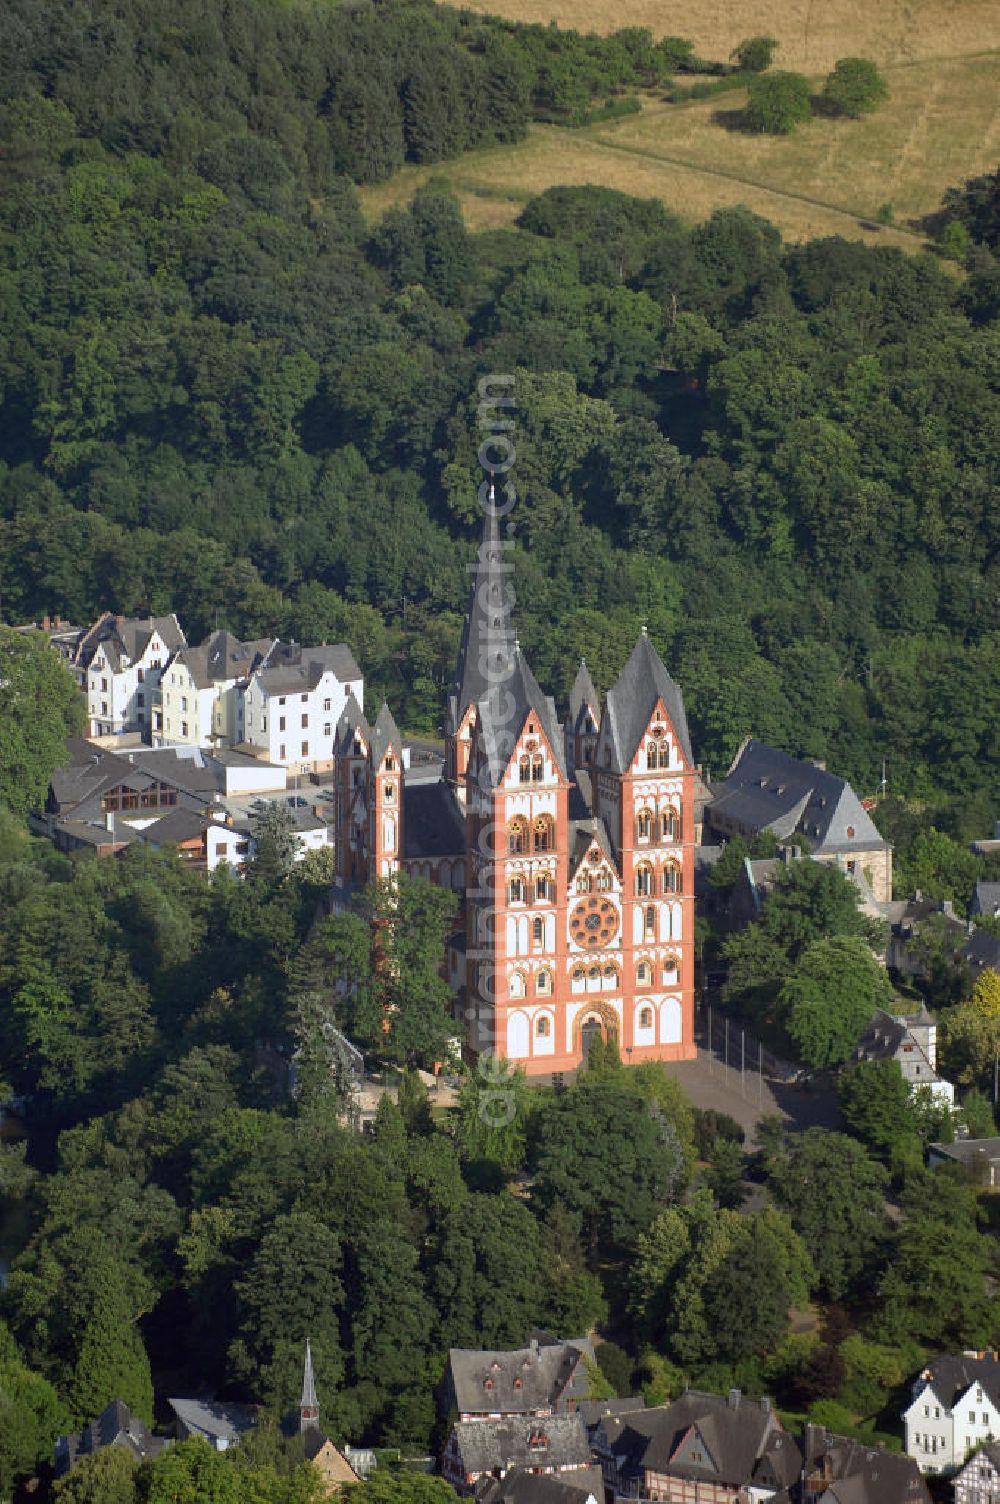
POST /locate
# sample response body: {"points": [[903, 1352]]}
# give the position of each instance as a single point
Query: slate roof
{"points": [[856, 1474], [352, 718], [520, 1382], [129, 636], [185, 769], [77, 790], [632, 699], [488, 641], [592, 1412], [434, 824], [766, 789], [175, 827], [583, 698], [981, 950], [521, 1487], [529, 1441], [223, 656], [737, 1435], [583, 834], [214, 1419], [385, 736], [985, 899], [502, 715], [950, 1376], [290, 668], [973, 1153], [885, 1034], [87, 833], [115, 1426]]}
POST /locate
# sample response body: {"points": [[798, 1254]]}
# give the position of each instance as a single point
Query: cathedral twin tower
{"points": [[571, 843]]}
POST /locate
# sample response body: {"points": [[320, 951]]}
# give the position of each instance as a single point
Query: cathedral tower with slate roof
{"points": [[571, 842]]}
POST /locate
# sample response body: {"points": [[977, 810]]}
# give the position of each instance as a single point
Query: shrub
{"points": [[855, 86], [778, 102]]}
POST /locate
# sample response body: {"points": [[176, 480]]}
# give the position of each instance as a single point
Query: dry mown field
{"points": [[940, 125], [812, 33]]}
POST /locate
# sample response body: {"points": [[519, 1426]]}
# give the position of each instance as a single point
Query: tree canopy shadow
{"points": [[734, 120]]}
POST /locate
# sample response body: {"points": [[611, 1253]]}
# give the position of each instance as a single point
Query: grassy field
{"points": [[940, 125], [812, 33]]}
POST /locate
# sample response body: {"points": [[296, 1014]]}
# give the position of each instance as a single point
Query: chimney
{"points": [[734, 1399], [58, 620], [46, 623]]}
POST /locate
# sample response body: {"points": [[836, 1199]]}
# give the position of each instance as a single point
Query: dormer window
{"points": [[487, 1383], [518, 1383]]}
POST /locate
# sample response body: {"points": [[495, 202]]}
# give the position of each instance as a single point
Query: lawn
{"points": [[940, 125]]}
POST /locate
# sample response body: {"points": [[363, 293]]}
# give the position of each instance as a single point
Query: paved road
{"points": [[710, 1084]]}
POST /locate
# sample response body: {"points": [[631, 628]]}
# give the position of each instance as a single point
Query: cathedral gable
{"points": [[658, 749], [533, 763]]}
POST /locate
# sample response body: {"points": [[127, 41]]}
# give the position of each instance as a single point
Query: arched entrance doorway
{"points": [[596, 1022]]}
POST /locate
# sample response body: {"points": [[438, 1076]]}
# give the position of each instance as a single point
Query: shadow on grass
{"points": [[735, 121]]}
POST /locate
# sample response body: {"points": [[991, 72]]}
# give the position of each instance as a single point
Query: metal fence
{"points": [[731, 1049]]}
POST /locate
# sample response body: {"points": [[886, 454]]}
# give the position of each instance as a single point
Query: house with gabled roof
{"points": [[540, 1444], [219, 1422], [293, 700], [582, 1485], [119, 662], [954, 1408], [840, 1470], [116, 1426], [910, 1040], [548, 1377], [766, 789], [718, 1448], [201, 689]]}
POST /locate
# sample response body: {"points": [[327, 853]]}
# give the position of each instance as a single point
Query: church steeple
{"points": [[309, 1405], [487, 650]]}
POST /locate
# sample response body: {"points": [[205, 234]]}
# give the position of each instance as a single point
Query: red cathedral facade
{"points": [[570, 842]]}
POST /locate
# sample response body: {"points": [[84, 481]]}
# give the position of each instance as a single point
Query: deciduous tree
{"points": [[778, 102]]}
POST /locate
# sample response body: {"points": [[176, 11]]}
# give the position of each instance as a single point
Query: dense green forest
{"points": [[185, 1225], [222, 393], [225, 394]]}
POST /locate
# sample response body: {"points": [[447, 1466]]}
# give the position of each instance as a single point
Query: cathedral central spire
{"points": [[488, 647]]}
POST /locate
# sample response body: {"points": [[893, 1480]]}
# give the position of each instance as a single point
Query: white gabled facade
{"points": [[289, 708], [942, 1432], [122, 678]]}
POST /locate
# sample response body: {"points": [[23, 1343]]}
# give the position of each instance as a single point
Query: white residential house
{"points": [[120, 663], [955, 1408], [910, 1040], [292, 702], [202, 688]]}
